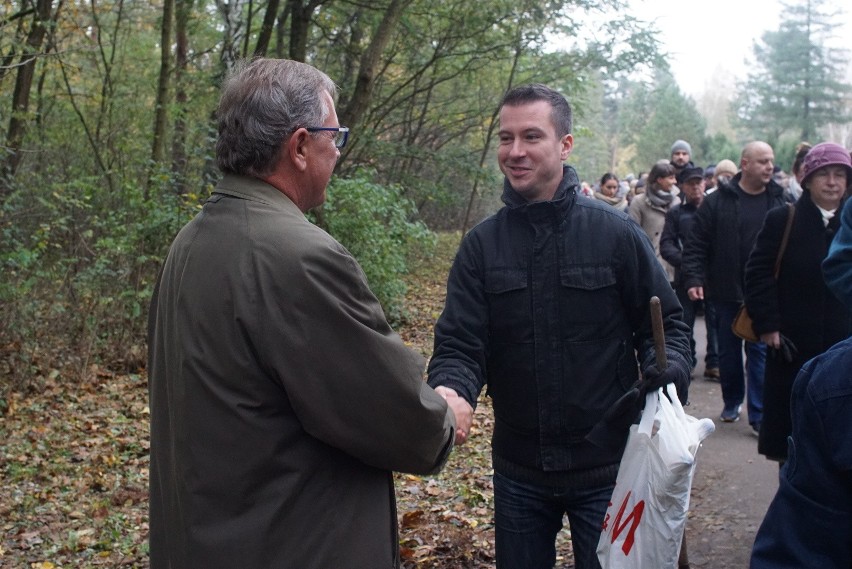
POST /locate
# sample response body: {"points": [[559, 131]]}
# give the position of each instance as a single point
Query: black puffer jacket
{"points": [[546, 303], [711, 254]]}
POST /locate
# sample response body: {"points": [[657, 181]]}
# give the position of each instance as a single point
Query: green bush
{"points": [[79, 263], [375, 223]]}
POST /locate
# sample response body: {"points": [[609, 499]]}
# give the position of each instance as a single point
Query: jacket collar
{"points": [[562, 200], [256, 190]]}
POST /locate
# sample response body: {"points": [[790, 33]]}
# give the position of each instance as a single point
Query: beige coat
{"points": [[280, 398], [652, 219]]}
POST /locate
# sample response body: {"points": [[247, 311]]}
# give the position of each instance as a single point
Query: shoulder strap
{"points": [[791, 211]]}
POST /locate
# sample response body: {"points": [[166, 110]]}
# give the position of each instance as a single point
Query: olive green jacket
{"points": [[280, 398]]}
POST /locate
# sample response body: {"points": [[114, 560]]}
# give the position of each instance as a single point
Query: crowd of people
{"points": [[723, 255], [282, 401]]}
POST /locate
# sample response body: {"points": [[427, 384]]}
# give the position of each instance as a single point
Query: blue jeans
{"points": [[711, 359], [731, 364], [528, 517]]}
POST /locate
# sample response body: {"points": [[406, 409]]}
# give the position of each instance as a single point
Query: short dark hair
{"points": [[561, 110], [662, 169]]}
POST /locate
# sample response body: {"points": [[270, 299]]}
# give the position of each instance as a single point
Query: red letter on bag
{"points": [[635, 517]]}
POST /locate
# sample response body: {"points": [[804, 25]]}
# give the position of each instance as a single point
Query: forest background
{"points": [[108, 115]]}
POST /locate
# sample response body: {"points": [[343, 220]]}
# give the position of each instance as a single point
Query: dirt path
{"points": [[733, 484]]}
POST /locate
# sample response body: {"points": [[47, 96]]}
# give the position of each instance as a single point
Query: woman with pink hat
{"points": [[795, 314]]}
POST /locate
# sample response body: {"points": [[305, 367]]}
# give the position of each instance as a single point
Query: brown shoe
{"points": [[711, 374]]}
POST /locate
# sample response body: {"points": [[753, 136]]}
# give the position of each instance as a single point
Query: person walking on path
{"points": [[679, 221], [609, 193], [796, 316], [554, 330], [714, 257], [280, 398], [809, 521], [681, 156], [649, 209]]}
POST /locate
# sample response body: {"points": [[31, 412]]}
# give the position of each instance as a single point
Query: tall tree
{"points": [[41, 16], [657, 114], [179, 160], [797, 84], [158, 146], [370, 60]]}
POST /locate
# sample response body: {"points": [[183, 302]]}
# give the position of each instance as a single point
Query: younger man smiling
{"points": [[547, 304]]}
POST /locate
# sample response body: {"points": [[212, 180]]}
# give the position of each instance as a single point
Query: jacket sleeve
{"points": [[670, 247], [696, 249], [837, 267], [351, 381], [761, 288], [643, 278], [461, 333]]}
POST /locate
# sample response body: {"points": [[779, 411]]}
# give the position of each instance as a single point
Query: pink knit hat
{"points": [[826, 154]]}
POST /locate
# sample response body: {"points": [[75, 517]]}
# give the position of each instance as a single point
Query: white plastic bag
{"points": [[644, 523]]}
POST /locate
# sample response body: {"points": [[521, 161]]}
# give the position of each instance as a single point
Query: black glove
{"points": [[787, 350], [654, 379]]}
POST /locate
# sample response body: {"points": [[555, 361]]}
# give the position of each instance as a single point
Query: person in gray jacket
{"points": [[280, 398]]}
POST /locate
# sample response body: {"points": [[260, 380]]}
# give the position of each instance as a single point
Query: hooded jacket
{"points": [[546, 303]]}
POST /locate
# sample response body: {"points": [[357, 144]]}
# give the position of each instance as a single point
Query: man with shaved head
{"points": [[714, 258]]}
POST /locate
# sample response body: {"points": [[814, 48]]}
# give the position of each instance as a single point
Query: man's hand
{"points": [[655, 379], [696, 293], [461, 409]]}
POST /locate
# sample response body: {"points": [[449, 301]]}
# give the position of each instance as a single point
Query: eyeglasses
{"points": [[341, 133]]}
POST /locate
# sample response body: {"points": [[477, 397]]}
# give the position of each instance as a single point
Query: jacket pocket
{"points": [[596, 373], [507, 293], [588, 296]]}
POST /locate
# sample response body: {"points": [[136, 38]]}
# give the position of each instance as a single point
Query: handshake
{"points": [[461, 409]]}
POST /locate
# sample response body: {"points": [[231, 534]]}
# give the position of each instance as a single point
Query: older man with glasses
{"points": [[280, 398]]}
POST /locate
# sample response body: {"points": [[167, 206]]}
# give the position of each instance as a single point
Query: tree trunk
{"points": [[474, 192], [300, 22], [280, 30], [363, 91], [179, 159], [21, 96], [266, 28], [158, 147]]}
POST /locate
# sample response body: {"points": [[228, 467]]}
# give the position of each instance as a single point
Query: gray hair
{"points": [[263, 102]]}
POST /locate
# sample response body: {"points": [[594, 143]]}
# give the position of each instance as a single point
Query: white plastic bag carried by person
{"points": [[644, 523]]}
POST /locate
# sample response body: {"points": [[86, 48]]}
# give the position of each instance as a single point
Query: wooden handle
{"points": [[659, 334]]}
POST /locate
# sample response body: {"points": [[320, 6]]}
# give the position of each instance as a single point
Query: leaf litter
{"points": [[74, 467]]}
